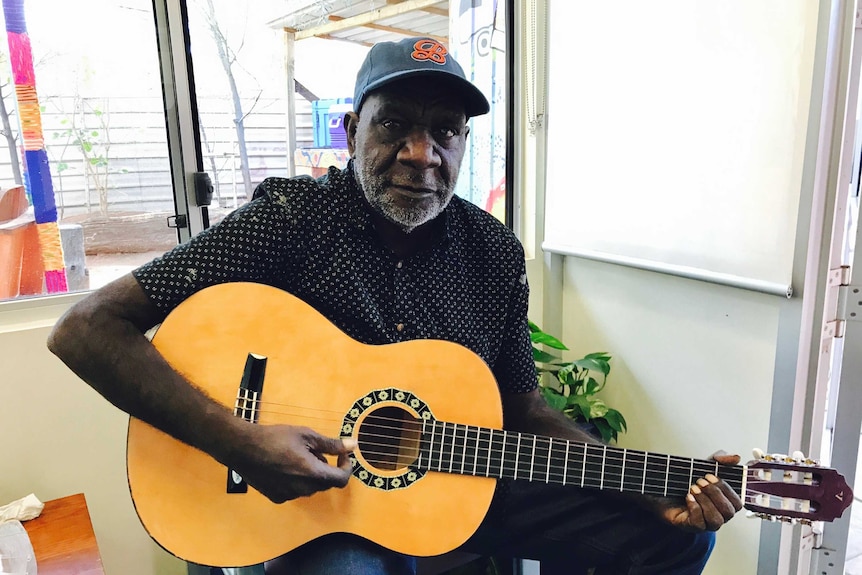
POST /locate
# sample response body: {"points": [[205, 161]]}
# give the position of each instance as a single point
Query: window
{"points": [[270, 82], [84, 171]]}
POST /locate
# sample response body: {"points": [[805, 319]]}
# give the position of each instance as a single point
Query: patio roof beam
{"points": [[366, 18], [430, 9], [394, 30]]}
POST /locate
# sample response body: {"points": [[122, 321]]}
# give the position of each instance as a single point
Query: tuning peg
{"points": [[800, 458], [758, 453]]}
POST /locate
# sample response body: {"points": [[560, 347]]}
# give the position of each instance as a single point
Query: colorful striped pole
{"points": [[37, 178]]}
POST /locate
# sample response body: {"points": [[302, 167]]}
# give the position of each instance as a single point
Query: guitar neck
{"points": [[471, 450]]}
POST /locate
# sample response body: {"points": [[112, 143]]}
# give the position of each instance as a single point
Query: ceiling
{"points": [[366, 22]]}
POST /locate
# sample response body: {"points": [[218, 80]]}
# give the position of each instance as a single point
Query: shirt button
{"points": [[400, 327], [399, 265]]}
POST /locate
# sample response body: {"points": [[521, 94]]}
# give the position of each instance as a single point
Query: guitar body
{"points": [[315, 376]]}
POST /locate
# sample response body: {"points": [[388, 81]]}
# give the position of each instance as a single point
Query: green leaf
{"points": [[599, 355], [616, 420], [542, 338], [598, 408], [553, 397], [94, 133], [591, 386], [574, 412], [543, 356], [87, 146], [567, 374], [62, 166], [593, 364], [605, 430]]}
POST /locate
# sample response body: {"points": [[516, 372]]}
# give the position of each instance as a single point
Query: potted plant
{"points": [[571, 386]]}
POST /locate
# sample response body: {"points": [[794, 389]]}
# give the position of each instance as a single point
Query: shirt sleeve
{"points": [[247, 245], [515, 369]]}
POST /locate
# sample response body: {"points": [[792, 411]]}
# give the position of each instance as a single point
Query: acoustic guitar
{"points": [[427, 416]]}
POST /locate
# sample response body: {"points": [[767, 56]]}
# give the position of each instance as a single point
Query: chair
{"points": [[21, 268]]}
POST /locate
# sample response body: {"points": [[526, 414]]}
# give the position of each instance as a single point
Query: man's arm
{"points": [[102, 340], [709, 504]]}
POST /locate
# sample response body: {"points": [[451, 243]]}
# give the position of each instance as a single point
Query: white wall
{"points": [[695, 364], [59, 437], [692, 369]]}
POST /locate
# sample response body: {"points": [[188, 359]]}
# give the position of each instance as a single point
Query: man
{"points": [[384, 250]]}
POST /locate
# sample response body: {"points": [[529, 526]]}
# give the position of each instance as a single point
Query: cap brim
{"points": [[475, 103]]}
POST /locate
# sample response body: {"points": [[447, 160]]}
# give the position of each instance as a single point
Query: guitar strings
{"points": [[678, 474]]}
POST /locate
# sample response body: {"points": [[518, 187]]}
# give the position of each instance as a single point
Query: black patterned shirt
{"points": [[316, 240]]}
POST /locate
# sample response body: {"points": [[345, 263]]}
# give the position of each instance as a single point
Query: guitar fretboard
{"points": [[471, 450]]}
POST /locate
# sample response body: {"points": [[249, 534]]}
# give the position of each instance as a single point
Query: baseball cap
{"points": [[388, 62]]}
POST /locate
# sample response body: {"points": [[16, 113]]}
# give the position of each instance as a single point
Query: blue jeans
{"points": [[567, 530]]}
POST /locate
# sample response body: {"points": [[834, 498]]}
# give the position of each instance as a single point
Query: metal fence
{"points": [[118, 146]]}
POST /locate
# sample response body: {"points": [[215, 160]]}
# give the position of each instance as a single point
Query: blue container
{"points": [[337, 135], [320, 120]]}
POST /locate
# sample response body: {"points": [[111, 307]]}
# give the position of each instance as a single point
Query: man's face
{"points": [[407, 143]]}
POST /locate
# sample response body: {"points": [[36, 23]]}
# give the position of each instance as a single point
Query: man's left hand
{"points": [[710, 502]]}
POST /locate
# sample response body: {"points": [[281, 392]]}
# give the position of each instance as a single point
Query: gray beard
{"points": [[374, 188]]}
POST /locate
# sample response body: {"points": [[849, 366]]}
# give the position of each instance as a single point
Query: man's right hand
{"points": [[284, 462]]}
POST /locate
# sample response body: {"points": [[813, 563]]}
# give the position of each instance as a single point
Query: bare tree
{"points": [[227, 57], [9, 135]]}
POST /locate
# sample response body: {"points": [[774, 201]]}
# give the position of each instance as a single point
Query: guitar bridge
{"points": [[247, 406]]}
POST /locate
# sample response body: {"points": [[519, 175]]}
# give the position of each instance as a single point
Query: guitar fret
{"points": [[584, 466], [442, 446], [503, 453], [533, 457], [452, 451], [614, 468], [488, 453], [643, 482], [517, 455], [421, 439], [430, 463], [464, 450], [541, 458], [431, 444], [602, 473], [666, 475], [691, 472], [656, 466], [566, 461], [476, 450], [623, 473], [633, 461]]}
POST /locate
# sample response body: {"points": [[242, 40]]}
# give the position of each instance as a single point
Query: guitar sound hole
{"points": [[389, 438]]}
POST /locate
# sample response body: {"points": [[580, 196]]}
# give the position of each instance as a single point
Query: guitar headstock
{"points": [[794, 489]]}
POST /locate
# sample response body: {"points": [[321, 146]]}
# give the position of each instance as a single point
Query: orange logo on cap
{"points": [[429, 50]]}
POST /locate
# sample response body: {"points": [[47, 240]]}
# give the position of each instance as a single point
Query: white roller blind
{"points": [[676, 132]]}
